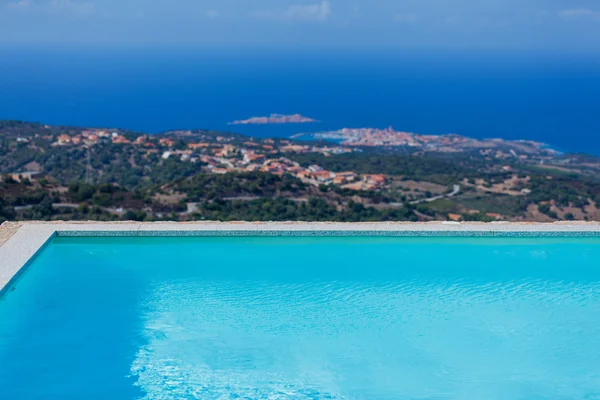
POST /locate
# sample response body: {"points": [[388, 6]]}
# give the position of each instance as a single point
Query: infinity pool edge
{"points": [[31, 237]]}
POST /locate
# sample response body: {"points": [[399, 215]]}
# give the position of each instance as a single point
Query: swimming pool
{"points": [[305, 318]]}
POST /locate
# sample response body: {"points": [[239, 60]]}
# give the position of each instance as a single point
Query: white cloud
{"points": [[77, 9], [22, 4], [68, 7], [212, 14], [406, 18], [312, 12], [579, 13]]}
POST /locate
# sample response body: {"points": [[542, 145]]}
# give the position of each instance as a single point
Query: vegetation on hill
{"points": [[245, 184], [313, 209], [51, 172]]}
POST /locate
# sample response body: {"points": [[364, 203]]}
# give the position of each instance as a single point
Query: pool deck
{"points": [[21, 241]]}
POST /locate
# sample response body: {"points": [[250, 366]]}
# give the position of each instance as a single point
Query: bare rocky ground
{"points": [[8, 229]]}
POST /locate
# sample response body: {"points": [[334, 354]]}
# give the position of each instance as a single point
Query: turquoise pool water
{"points": [[305, 318]]}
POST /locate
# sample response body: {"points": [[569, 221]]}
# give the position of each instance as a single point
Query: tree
{"points": [[132, 215], [6, 212], [81, 191]]}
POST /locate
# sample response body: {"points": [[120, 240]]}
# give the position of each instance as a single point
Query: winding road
{"points": [[454, 192]]}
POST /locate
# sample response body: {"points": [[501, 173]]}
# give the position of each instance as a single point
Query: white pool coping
{"points": [[31, 237]]}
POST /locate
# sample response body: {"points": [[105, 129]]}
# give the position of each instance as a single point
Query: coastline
{"points": [[338, 87], [289, 131]]}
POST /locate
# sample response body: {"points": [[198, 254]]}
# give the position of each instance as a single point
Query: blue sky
{"points": [[572, 25]]}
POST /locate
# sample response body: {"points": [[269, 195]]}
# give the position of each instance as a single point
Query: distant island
{"points": [[275, 119]]}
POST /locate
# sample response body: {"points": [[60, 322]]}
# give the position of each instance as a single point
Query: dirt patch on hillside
{"points": [[7, 230], [421, 186]]}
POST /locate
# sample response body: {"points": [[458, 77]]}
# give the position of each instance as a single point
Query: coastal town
{"points": [[223, 154], [450, 143], [221, 157]]}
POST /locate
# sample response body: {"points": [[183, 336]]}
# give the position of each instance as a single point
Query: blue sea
{"points": [[554, 98], [363, 318]]}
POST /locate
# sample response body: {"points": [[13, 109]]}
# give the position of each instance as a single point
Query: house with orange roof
{"points": [[376, 178], [293, 148], [91, 138], [339, 180], [166, 142], [348, 175], [120, 140], [354, 186], [63, 139], [454, 217], [196, 146], [249, 157], [323, 176]]}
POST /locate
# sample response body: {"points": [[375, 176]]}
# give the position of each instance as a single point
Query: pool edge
{"points": [[20, 250]]}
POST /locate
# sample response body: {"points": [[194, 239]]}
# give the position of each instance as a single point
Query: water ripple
{"points": [[330, 340]]}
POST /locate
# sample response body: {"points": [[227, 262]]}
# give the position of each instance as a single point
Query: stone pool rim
{"points": [[30, 238]]}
